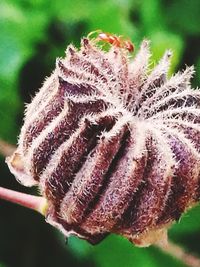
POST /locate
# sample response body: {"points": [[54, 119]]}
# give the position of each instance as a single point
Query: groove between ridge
{"points": [[119, 154], [73, 158]]}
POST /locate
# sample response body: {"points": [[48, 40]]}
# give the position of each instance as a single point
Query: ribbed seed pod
{"points": [[113, 146]]}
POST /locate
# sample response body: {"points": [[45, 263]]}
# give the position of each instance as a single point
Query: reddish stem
{"points": [[29, 201], [179, 253]]}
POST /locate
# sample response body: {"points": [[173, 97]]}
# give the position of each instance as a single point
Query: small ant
{"points": [[112, 39]]}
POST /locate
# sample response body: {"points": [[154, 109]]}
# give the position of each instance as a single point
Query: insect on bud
{"points": [[112, 146]]}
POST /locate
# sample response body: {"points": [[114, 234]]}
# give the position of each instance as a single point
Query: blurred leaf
{"points": [[161, 41], [107, 11], [184, 15], [197, 76], [9, 106], [151, 15], [80, 247], [19, 32], [189, 222], [116, 251], [98, 14], [125, 254], [164, 259]]}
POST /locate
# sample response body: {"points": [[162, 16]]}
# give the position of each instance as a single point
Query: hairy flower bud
{"points": [[113, 146]]}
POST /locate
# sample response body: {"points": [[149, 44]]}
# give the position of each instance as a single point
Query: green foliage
{"points": [[184, 15], [32, 34], [116, 251], [188, 224]]}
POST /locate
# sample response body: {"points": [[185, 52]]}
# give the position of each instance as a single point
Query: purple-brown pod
{"points": [[113, 146]]}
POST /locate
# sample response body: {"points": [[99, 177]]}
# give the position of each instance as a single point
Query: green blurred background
{"points": [[32, 34]]}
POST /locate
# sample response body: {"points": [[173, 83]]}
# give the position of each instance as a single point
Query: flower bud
{"points": [[112, 145]]}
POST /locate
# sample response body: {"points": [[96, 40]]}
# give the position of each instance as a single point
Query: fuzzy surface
{"points": [[112, 145]]}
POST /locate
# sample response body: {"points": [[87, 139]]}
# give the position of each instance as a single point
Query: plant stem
{"points": [[29, 201], [178, 252], [6, 149]]}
